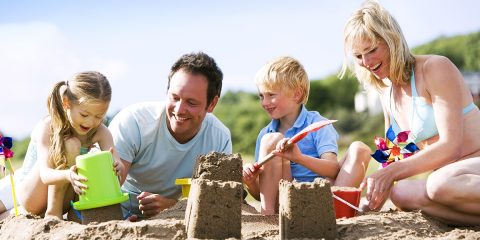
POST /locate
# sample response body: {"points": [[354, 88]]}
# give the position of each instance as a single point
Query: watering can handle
{"points": [[347, 203]]}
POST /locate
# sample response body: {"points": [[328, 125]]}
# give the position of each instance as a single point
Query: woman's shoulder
{"points": [[435, 67], [429, 63]]}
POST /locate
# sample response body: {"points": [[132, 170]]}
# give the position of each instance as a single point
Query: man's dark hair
{"points": [[200, 63]]}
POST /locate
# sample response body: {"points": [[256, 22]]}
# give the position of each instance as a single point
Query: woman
{"points": [[426, 96]]}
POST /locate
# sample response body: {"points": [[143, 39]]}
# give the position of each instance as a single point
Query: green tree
{"points": [[242, 113], [462, 50]]}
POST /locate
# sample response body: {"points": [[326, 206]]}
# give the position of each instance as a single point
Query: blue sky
{"points": [[134, 43]]}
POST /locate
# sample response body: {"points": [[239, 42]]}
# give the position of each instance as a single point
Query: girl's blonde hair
{"points": [[373, 23], [284, 73], [83, 88]]}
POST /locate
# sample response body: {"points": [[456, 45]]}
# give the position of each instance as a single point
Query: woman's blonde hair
{"points": [[284, 73], [374, 23], [83, 88]]}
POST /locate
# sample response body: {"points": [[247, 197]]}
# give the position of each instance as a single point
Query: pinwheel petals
{"points": [[381, 143], [394, 147], [402, 136]]}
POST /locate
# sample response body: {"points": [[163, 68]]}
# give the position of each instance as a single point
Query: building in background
{"points": [[473, 81]]}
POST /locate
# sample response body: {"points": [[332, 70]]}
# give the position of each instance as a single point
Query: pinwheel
{"points": [[394, 147], [6, 144]]}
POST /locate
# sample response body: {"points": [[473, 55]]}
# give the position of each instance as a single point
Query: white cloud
{"points": [[33, 57]]}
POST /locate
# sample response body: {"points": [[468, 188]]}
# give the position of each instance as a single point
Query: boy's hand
{"points": [[287, 151], [76, 180], [251, 172]]}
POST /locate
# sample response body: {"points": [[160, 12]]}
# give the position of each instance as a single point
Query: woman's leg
{"points": [[273, 171], [457, 186], [353, 165], [451, 193]]}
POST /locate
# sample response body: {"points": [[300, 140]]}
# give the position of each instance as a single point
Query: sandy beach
{"points": [[389, 224]]}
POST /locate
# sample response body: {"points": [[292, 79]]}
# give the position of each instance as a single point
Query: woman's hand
{"points": [[379, 185], [76, 180], [290, 152], [250, 173]]}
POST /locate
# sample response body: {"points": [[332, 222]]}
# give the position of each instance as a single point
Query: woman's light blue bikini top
{"points": [[422, 117]]}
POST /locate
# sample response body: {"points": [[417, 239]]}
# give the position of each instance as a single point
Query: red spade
{"points": [[299, 136]]}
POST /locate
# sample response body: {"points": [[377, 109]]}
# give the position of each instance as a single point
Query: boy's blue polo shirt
{"points": [[314, 144]]}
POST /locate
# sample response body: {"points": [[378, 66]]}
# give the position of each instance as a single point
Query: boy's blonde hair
{"points": [[83, 88], [285, 73], [373, 23]]}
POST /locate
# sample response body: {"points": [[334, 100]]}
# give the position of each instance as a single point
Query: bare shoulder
{"points": [[435, 69], [433, 62], [436, 64], [42, 131], [102, 133]]}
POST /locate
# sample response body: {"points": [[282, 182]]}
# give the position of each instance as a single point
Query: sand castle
{"points": [[214, 207], [215, 203], [306, 210]]}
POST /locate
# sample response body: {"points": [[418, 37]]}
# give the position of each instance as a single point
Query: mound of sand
{"points": [[169, 225]]}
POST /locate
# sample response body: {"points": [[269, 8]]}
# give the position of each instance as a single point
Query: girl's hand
{"points": [[379, 185], [76, 180], [250, 173], [118, 167], [290, 152]]}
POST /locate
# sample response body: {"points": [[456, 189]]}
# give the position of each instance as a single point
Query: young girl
{"points": [[76, 111]]}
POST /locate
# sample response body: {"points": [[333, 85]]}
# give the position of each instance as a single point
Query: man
{"points": [[159, 142]]}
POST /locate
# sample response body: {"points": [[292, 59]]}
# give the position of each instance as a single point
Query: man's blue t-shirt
{"points": [[142, 138], [314, 144]]}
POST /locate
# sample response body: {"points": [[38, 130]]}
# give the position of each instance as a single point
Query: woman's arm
{"points": [[384, 95], [443, 84]]}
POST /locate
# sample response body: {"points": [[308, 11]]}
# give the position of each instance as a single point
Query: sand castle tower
{"points": [[214, 204], [306, 210]]}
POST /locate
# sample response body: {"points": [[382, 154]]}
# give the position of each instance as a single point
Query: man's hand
{"points": [[151, 204]]}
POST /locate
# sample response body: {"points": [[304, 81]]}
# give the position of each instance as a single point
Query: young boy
{"points": [[283, 88]]}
